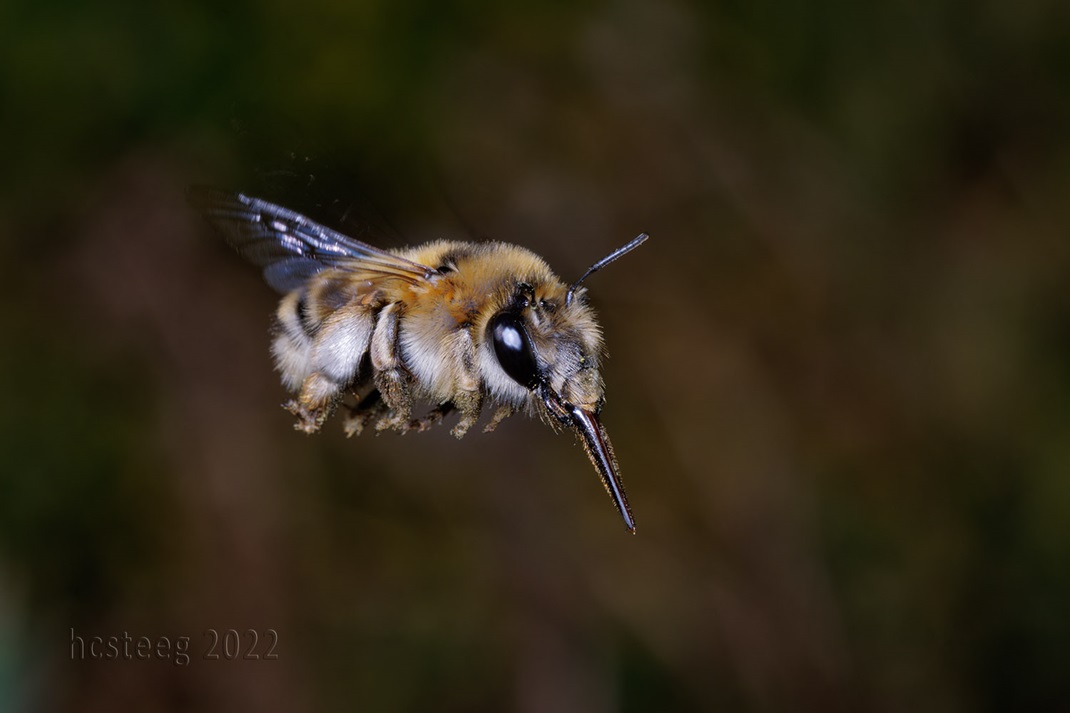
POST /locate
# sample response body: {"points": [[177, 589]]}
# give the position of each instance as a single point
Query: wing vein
{"points": [[290, 247]]}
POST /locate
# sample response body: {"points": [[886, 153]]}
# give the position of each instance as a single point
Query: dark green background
{"points": [[839, 382]]}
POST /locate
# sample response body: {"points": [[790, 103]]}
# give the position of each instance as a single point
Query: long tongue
{"points": [[600, 450]]}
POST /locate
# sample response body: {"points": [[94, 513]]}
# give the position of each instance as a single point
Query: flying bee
{"points": [[454, 324]]}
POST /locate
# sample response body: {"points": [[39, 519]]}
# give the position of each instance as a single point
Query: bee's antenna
{"points": [[639, 240]]}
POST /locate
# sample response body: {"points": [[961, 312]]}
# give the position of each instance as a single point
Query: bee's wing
{"points": [[291, 248]]}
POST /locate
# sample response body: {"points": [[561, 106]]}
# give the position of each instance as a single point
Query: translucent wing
{"points": [[291, 248]]}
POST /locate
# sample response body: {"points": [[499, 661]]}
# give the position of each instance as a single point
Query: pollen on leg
{"points": [[315, 402], [503, 412], [367, 410], [469, 404], [432, 418]]}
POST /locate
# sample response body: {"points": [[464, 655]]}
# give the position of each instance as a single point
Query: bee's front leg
{"points": [[468, 397], [504, 411], [469, 403]]}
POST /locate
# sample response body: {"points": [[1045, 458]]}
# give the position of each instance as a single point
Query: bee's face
{"points": [[543, 352], [541, 348]]}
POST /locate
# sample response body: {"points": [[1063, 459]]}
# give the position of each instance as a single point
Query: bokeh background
{"points": [[839, 383]]}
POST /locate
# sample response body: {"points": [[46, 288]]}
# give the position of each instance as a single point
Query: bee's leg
{"points": [[468, 397], [338, 347], [469, 403], [368, 409], [504, 411], [432, 418], [391, 378], [315, 403]]}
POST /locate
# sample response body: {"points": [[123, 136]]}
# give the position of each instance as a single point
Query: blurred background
{"points": [[839, 383]]}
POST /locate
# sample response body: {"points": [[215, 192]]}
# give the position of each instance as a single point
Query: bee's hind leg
{"points": [[318, 397], [330, 352]]}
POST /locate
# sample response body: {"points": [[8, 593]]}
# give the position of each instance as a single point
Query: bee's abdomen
{"points": [[317, 333], [292, 345]]}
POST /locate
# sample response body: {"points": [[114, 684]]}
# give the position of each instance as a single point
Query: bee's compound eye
{"points": [[513, 348]]}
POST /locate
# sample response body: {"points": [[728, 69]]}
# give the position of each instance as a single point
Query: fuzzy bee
{"points": [[453, 324]]}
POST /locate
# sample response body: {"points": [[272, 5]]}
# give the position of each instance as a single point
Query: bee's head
{"points": [[539, 342], [543, 347]]}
